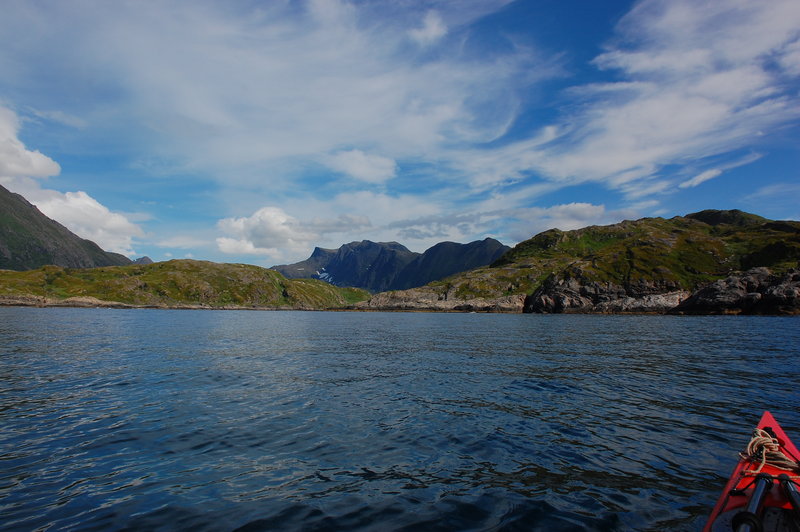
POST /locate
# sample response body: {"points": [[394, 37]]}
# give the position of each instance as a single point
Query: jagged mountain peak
{"points": [[379, 266]]}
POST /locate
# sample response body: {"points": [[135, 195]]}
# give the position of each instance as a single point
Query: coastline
{"points": [[466, 307]]}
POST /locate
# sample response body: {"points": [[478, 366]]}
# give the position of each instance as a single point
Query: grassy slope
{"points": [[681, 252], [177, 283]]}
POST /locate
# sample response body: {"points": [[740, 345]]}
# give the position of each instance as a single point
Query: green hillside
{"points": [[678, 253], [178, 283]]}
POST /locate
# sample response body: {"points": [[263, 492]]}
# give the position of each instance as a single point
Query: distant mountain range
{"points": [[381, 266], [708, 262], [29, 240]]}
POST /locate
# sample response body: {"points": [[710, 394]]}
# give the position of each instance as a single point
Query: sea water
{"points": [[225, 420]]}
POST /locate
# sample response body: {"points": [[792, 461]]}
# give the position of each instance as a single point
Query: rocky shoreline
{"points": [[421, 299], [92, 302], [755, 292]]}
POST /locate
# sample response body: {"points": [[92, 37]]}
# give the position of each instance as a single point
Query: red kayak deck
{"points": [[741, 485]]}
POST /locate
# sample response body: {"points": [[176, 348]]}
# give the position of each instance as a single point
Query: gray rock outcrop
{"points": [[570, 293], [756, 291], [421, 299]]}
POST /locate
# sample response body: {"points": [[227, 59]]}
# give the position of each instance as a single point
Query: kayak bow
{"points": [[762, 492]]}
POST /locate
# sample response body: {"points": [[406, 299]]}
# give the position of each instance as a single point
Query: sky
{"points": [[253, 131]]}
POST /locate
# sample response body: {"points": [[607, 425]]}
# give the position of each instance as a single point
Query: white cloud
{"points": [[435, 228], [271, 232], [211, 86], [399, 95], [79, 212], [264, 233], [86, 217], [697, 80], [365, 167], [701, 178], [790, 58], [15, 159], [713, 173], [275, 233], [241, 246], [432, 29]]}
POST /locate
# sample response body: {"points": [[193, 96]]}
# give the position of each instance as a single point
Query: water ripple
{"points": [[166, 420]]}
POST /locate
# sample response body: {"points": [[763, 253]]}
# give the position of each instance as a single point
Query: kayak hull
{"points": [[777, 509]]}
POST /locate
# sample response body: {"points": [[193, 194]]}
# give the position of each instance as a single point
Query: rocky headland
{"points": [[710, 262], [756, 291], [572, 293]]}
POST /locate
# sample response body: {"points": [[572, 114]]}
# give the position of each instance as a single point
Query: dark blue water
{"points": [[202, 420]]}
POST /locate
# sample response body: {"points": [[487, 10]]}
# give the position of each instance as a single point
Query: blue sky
{"points": [[252, 131]]}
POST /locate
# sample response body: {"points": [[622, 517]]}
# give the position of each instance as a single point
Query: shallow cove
{"points": [[217, 420]]}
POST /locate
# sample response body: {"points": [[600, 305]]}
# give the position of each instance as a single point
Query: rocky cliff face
{"points": [[757, 291], [422, 299], [574, 294], [29, 240], [577, 290]]}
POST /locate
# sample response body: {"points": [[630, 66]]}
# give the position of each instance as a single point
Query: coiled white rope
{"points": [[764, 449]]}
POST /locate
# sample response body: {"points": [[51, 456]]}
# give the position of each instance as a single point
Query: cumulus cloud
{"points": [[290, 233], [86, 217], [365, 167], [15, 159], [273, 233], [79, 212], [265, 232]]}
